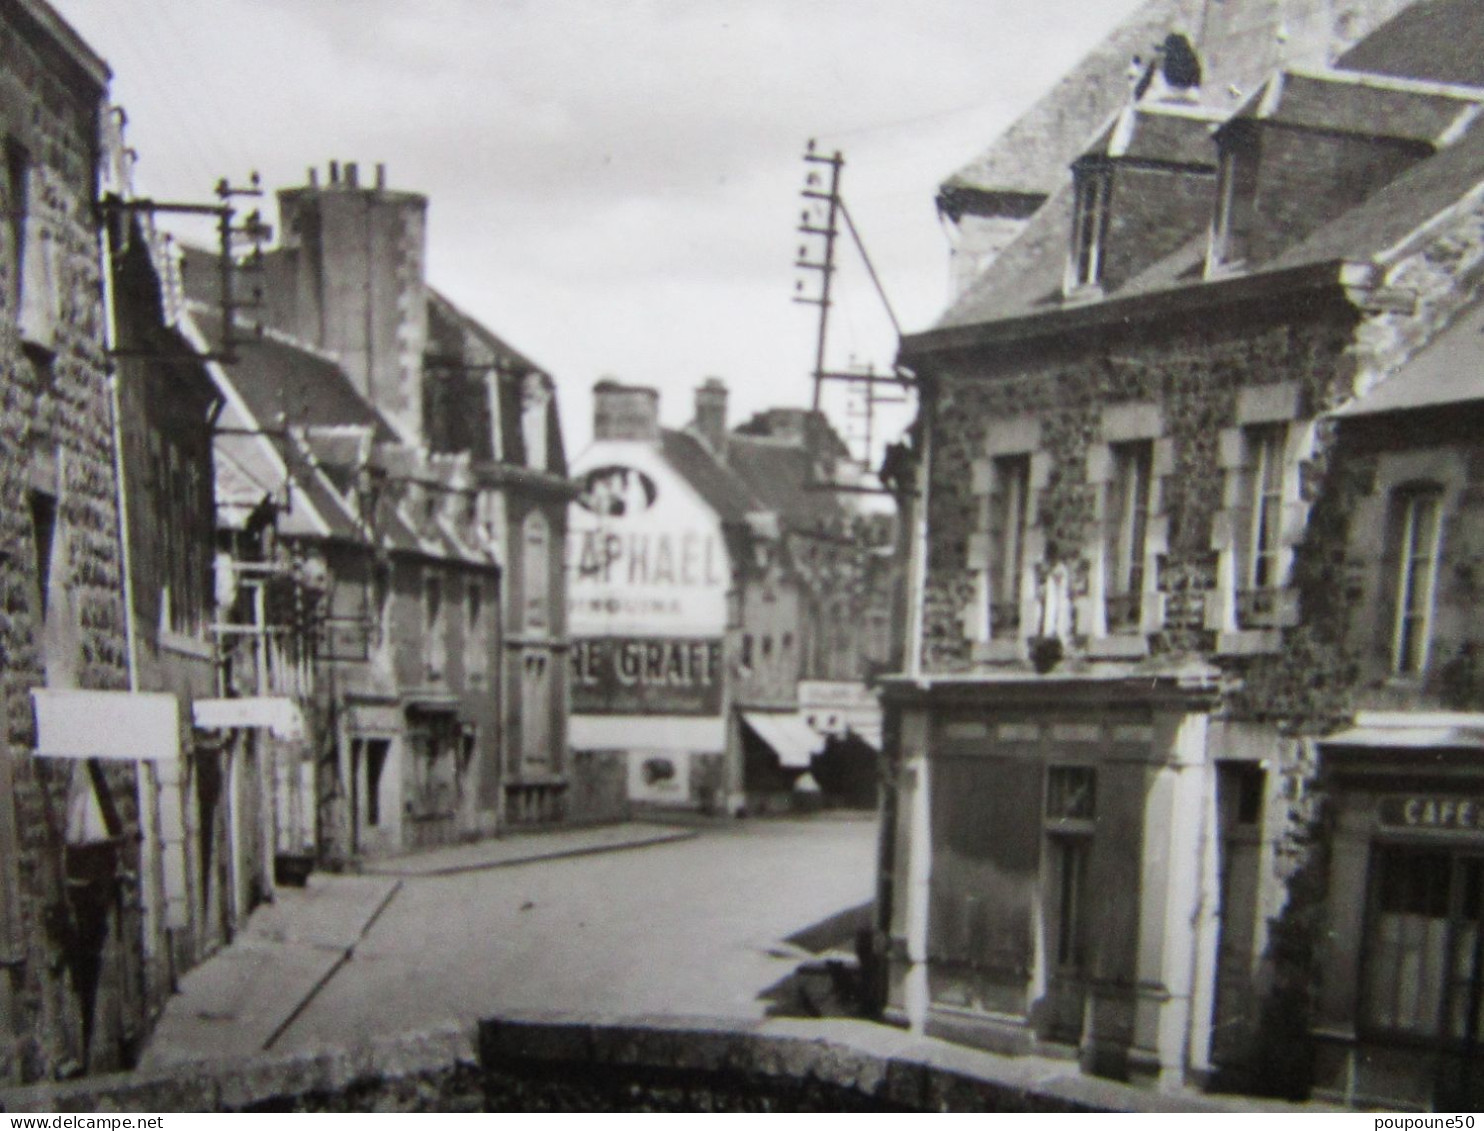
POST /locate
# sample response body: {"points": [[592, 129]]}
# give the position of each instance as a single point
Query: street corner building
{"points": [[1187, 754], [724, 617]]}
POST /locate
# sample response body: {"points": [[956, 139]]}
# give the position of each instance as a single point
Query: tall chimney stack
{"points": [[711, 413], [625, 412]]}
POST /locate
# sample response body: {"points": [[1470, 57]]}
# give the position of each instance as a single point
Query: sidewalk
{"points": [[524, 848], [241, 999], [237, 1002]]}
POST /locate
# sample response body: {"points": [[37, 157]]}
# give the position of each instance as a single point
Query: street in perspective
{"points": [[742, 557]]}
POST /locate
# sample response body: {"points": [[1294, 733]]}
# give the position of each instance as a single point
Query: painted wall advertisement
{"points": [[628, 675], [647, 554]]}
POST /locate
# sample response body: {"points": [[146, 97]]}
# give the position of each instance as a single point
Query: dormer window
{"points": [[1089, 228], [1231, 227]]}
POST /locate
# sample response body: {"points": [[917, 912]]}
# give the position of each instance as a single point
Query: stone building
{"points": [[434, 450], [714, 592], [121, 863], [1179, 551]]}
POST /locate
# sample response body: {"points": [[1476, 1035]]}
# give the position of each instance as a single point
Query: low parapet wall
{"points": [[534, 1062]]}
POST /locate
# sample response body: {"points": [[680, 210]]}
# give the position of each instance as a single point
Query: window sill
{"points": [[1082, 293], [1006, 650], [1249, 642], [1118, 646]]}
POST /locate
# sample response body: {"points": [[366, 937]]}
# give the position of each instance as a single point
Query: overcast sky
{"points": [[613, 183]]}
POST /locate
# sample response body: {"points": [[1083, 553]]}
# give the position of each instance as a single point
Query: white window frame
{"points": [[1250, 497], [1419, 550], [1008, 440], [1092, 198], [1126, 533], [1011, 489]]}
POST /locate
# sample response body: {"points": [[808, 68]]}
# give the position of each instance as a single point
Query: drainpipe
{"points": [[151, 882]]}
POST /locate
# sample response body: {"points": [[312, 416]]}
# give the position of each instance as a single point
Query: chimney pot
{"points": [[380, 176], [313, 177], [334, 172], [625, 412], [352, 174]]}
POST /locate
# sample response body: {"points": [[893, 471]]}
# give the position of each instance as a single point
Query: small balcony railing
{"points": [[1259, 608]]}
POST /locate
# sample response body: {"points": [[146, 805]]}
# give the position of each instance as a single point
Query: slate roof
{"points": [[1448, 371], [723, 491], [1396, 210], [451, 334], [1369, 105], [279, 379], [1435, 39], [1161, 134], [1032, 155], [777, 473], [1027, 277]]}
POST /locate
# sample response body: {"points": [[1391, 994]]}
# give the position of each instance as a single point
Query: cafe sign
{"points": [[1433, 813]]}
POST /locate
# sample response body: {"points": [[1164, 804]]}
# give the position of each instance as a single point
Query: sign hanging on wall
{"points": [[1433, 813], [621, 675]]}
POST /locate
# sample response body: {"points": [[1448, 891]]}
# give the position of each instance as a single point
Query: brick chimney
{"points": [[711, 413], [350, 279], [625, 412]]}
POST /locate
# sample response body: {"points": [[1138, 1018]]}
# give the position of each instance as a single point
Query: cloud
{"points": [[612, 183]]}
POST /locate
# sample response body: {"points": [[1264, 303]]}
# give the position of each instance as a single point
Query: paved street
{"points": [[684, 927]]}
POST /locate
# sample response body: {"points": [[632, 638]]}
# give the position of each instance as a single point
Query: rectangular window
{"points": [[1235, 189], [1090, 227], [1421, 529], [376, 752], [43, 533], [1071, 793], [17, 167], [1009, 514], [1125, 534], [1422, 957], [1262, 557], [433, 624], [535, 568]]}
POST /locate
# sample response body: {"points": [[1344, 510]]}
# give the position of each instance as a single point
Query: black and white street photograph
{"points": [[754, 556]]}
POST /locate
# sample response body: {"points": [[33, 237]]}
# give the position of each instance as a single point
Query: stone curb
{"points": [[388, 869]]}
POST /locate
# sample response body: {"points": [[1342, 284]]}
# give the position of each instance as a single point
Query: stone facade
{"points": [[69, 924], [1163, 594]]}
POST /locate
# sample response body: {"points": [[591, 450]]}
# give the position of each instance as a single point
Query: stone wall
{"points": [[56, 444], [566, 1063], [1192, 367]]}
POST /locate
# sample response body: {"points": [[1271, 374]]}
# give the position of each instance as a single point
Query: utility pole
{"points": [[822, 195]]}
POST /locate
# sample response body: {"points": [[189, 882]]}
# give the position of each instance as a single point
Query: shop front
{"points": [[1054, 880], [1401, 1001]]}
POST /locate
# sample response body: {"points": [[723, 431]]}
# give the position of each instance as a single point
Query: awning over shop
{"points": [[790, 737], [126, 726], [1404, 730], [277, 713]]}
